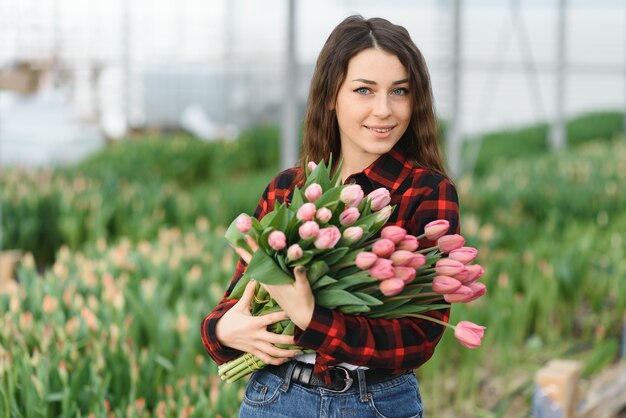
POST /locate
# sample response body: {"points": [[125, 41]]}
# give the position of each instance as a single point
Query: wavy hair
{"points": [[419, 143]]}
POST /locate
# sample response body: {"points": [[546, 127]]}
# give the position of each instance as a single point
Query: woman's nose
{"points": [[382, 109]]}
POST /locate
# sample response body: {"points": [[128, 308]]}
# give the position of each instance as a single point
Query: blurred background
{"points": [[132, 132]]}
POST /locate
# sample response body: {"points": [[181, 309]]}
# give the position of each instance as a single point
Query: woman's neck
{"points": [[355, 164]]}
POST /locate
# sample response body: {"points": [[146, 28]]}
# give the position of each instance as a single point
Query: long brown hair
{"points": [[321, 132]]}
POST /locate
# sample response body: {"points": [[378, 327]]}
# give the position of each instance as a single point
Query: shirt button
{"points": [[352, 180]]}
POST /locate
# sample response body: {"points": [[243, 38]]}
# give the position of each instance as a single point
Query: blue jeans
{"points": [[267, 395]]}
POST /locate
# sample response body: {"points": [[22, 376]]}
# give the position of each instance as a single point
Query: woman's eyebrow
{"points": [[395, 83]]}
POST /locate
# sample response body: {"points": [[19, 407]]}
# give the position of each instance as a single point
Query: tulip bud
{"points": [[243, 223], [449, 243], [406, 274], [380, 198], [475, 272], [436, 229], [308, 230], [478, 290], [393, 233], [383, 247], [294, 252], [349, 216], [312, 166], [327, 238], [447, 267], [462, 275], [391, 287], [353, 233], [461, 295], [408, 243], [401, 257], [277, 240], [444, 285], [469, 334], [306, 212], [384, 214], [313, 192], [418, 261], [463, 254], [323, 215], [365, 260], [381, 269], [351, 195]]}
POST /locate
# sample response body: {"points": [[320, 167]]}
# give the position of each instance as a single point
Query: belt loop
{"points": [[362, 385], [284, 386]]}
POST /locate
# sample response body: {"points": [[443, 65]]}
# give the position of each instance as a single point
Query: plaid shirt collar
{"points": [[388, 171]]}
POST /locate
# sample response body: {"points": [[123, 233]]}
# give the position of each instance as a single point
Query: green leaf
{"points": [[317, 270], [304, 260], [330, 198], [331, 298], [354, 309], [405, 310], [323, 282], [355, 279], [237, 291], [333, 256], [297, 199], [280, 259], [264, 269], [367, 299]]}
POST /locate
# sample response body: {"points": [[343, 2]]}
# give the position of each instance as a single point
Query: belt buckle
{"points": [[348, 380]]}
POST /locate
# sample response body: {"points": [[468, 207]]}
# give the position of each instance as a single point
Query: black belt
{"points": [[341, 378]]}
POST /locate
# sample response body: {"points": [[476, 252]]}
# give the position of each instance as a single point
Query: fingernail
{"points": [[251, 279], [300, 269]]}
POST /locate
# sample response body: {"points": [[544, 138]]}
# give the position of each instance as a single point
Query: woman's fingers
{"points": [[252, 243], [277, 353], [246, 298], [279, 339], [245, 255], [272, 318]]}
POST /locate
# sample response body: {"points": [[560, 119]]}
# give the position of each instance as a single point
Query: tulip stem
{"points": [[431, 319]]}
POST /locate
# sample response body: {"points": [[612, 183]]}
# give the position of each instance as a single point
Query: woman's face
{"points": [[373, 105]]}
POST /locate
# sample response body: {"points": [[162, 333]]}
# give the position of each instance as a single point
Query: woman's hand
{"points": [[296, 298], [240, 330]]}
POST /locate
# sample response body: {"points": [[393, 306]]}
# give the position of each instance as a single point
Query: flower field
{"points": [[105, 320]]}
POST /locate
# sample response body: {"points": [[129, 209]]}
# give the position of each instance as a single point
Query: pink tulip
{"points": [[461, 295], [391, 287], [449, 243], [409, 243], [469, 334], [323, 215], [308, 230], [349, 216], [365, 260], [406, 274], [436, 229], [384, 214], [447, 267], [294, 252], [475, 272], [462, 275], [243, 223], [306, 212], [381, 269], [418, 261], [313, 192], [444, 285], [393, 233], [383, 247], [351, 195], [312, 166], [327, 238], [380, 198], [353, 233], [463, 254], [401, 257], [277, 240], [478, 290]]}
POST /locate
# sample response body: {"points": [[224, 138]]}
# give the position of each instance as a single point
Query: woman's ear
{"points": [[331, 105]]}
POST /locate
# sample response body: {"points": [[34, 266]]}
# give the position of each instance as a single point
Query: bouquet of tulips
{"points": [[329, 227]]}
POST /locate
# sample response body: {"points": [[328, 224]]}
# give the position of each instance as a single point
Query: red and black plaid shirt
{"points": [[395, 345]]}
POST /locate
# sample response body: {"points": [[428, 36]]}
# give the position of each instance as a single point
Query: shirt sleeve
{"points": [[397, 344]]}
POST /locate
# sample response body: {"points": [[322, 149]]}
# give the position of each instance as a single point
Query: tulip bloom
{"points": [[243, 223], [391, 286], [277, 240], [449, 243], [418, 261], [306, 212], [478, 290], [436, 229], [475, 272], [469, 334], [294, 252], [351, 195], [312, 166], [383, 247], [308, 230], [463, 254], [393, 233], [447, 267], [365, 260], [409, 243], [353, 233], [313, 192], [444, 285], [381, 269], [406, 274], [349, 216], [379, 198], [401, 257], [327, 238], [323, 215], [384, 214], [461, 295]]}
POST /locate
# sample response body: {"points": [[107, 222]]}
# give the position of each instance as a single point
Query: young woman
{"points": [[371, 104]]}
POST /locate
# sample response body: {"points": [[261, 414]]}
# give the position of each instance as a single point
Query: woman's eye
{"points": [[362, 90], [400, 92]]}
